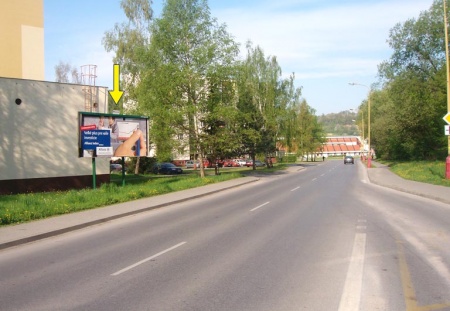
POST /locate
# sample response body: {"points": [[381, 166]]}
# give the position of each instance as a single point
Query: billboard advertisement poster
{"points": [[112, 135]]}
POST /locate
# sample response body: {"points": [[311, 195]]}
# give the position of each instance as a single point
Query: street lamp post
{"points": [[369, 157], [362, 130], [362, 121]]}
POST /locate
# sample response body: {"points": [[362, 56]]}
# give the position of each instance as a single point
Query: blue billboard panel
{"points": [[92, 139]]}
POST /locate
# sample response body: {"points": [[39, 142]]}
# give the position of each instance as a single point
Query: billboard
{"points": [[112, 135]]}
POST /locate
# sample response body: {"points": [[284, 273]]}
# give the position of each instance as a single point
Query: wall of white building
{"points": [[39, 136]]}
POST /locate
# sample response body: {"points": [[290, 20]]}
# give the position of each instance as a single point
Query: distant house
{"points": [[343, 145]]}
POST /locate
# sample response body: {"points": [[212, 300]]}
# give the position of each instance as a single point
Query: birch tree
{"points": [[189, 52], [128, 41], [260, 102]]}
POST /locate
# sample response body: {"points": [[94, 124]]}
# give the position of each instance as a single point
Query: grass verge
{"points": [[21, 208], [431, 172]]}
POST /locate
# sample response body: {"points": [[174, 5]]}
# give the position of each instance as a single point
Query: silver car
{"points": [[192, 164]]}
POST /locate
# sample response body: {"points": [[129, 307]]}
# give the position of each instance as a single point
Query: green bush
{"points": [[145, 165], [288, 159]]}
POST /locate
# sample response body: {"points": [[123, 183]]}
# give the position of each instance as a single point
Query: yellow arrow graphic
{"points": [[116, 93]]}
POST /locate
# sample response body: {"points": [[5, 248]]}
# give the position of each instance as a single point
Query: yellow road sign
{"points": [[447, 118]]}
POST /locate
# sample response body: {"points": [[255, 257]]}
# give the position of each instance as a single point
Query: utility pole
{"points": [[369, 157], [447, 161]]}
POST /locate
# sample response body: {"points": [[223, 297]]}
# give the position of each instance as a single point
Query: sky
{"points": [[327, 44]]}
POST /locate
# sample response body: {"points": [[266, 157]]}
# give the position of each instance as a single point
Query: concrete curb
{"points": [[38, 230], [384, 177]]}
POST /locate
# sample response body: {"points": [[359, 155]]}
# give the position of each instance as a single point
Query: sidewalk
{"points": [[381, 175], [28, 232]]}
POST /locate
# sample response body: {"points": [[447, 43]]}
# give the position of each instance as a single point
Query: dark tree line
{"points": [[407, 110]]}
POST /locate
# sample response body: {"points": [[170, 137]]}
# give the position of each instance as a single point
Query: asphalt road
{"points": [[319, 239]]}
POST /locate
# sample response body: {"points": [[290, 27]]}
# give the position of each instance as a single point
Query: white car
{"points": [[241, 162], [191, 163]]}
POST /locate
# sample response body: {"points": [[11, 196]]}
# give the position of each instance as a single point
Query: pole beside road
{"points": [[369, 156], [447, 161]]}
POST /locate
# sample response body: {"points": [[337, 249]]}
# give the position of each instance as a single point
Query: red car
{"points": [[257, 163], [230, 163]]}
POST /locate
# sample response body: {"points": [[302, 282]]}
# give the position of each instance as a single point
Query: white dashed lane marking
{"points": [[254, 209], [147, 259]]}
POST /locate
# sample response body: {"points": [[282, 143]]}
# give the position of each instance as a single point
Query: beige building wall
{"points": [[39, 135], [22, 38]]}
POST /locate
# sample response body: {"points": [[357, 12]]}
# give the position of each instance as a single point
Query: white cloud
{"points": [[326, 43], [304, 40]]}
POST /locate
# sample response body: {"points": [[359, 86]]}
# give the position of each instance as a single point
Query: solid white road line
{"points": [[351, 295], [254, 209], [147, 259]]}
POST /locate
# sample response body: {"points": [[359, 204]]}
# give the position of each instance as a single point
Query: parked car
{"points": [[192, 164], [257, 163], [213, 164], [349, 159], [114, 167], [166, 168], [241, 162], [226, 162], [230, 163]]}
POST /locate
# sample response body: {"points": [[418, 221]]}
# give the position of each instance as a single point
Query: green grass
{"points": [[32, 206], [431, 172]]}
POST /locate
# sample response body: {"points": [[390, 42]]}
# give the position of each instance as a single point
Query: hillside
{"points": [[339, 124]]}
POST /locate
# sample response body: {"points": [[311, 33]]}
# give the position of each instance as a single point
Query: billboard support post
{"points": [[94, 174], [123, 171]]}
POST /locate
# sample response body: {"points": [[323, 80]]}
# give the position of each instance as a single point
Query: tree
{"points": [[259, 101], [129, 40], [221, 138], [418, 44], [62, 72], [310, 135], [190, 54], [413, 98]]}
